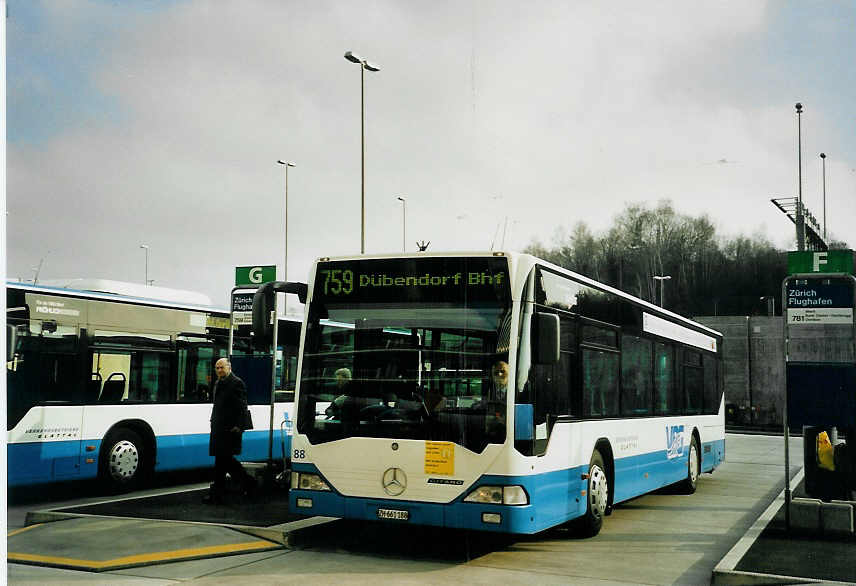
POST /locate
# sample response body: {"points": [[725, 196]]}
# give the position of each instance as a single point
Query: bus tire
{"points": [[597, 496], [123, 460], [688, 484]]}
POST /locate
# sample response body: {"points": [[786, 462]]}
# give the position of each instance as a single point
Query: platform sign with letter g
{"points": [[254, 276]]}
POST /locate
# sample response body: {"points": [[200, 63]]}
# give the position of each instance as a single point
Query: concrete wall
{"points": [[753, 351]]}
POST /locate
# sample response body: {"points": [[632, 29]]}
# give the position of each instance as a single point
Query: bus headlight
{"points": [[305, 481], [498, 495]]}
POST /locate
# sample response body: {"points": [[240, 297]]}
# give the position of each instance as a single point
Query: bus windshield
{"points": [[407, 349]]}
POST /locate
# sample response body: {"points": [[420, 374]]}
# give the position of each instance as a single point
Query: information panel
{"points": [[242, 309], [440, 458], [819, 301]]}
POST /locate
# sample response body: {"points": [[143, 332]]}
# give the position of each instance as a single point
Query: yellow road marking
{"points": [[144, 557], [21, 530]]}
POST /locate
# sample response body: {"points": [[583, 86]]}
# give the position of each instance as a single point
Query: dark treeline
{"points": [[710, 275]]}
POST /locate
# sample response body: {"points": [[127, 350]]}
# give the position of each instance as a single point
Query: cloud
{"points": [[548, 115]]}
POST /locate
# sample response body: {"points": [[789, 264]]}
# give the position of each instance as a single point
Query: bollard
{"points": [[836, 518], [805, 514]]}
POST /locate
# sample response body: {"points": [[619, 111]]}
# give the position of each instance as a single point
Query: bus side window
{"points": [[150, 377], [600, 374], [712, 397], [636, 378], [666, 401], [693, 383]]}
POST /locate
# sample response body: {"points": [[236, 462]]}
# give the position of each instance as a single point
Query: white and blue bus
{"points": [[105, 381], [608, 397]]}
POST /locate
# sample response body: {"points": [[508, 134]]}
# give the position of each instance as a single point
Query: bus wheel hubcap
{"points": [[693, 463], [599, 491], [124, 460]]}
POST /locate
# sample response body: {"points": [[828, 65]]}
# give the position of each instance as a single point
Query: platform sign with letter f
{"points": [[254, 276], [831, 261]]}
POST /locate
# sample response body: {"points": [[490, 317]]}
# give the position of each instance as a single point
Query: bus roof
{"points": [[109, 290], [120, 290]]}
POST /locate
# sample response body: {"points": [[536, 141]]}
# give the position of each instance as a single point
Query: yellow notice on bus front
{"points": [[440, 458]]}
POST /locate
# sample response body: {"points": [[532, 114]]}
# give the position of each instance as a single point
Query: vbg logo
{"points": [[674, 441]]}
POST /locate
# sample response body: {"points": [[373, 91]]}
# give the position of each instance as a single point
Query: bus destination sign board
{"points": [[242, 309], [440, 280], [819, 301]]}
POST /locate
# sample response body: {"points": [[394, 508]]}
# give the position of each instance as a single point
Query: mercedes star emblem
{"points": [[394, 481]]}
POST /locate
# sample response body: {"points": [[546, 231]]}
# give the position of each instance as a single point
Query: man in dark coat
{"points": [[227, 426]]}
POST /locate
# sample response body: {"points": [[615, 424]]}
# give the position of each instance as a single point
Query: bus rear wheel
{"points": [[688, 485], [597, 497], [123, 460]]}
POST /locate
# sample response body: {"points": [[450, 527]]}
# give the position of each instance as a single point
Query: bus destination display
{"points": [[447, 279]]}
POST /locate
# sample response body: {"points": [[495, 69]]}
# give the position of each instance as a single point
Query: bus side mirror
{"points": [[264, 304], [545, 338], [11, 341], [264, 301]]}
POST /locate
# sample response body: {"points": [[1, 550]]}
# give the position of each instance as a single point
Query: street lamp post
{"points": [[800, 214], [823, 158], [661, 279], [403, 223], [371, 67], [146, 247], [286, 164], [771, 304]]}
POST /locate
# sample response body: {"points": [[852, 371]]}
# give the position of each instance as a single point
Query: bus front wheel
{"points": [[123, 458], [597, 496]]}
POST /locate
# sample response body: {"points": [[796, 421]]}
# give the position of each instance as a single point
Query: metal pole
{"points": [[272, 383], [403, 223], [146, 248], [371, 67], [800, 214], [285, 164], [363, 158], [823, 158], [749, 368], [785, 415]]}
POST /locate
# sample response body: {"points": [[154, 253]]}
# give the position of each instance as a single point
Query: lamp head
{"points": [[370, 66], [799, 108], [353, 58], [822, 155]]}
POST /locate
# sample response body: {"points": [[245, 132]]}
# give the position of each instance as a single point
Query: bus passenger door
{"points": [[552, 384], [196, 356], [45, 398]]}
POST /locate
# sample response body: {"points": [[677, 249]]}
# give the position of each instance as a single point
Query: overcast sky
{"points": [[160, 123]]}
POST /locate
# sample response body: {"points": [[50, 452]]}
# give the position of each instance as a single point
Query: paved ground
{"points": [[656, 539], [262, 510]]}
